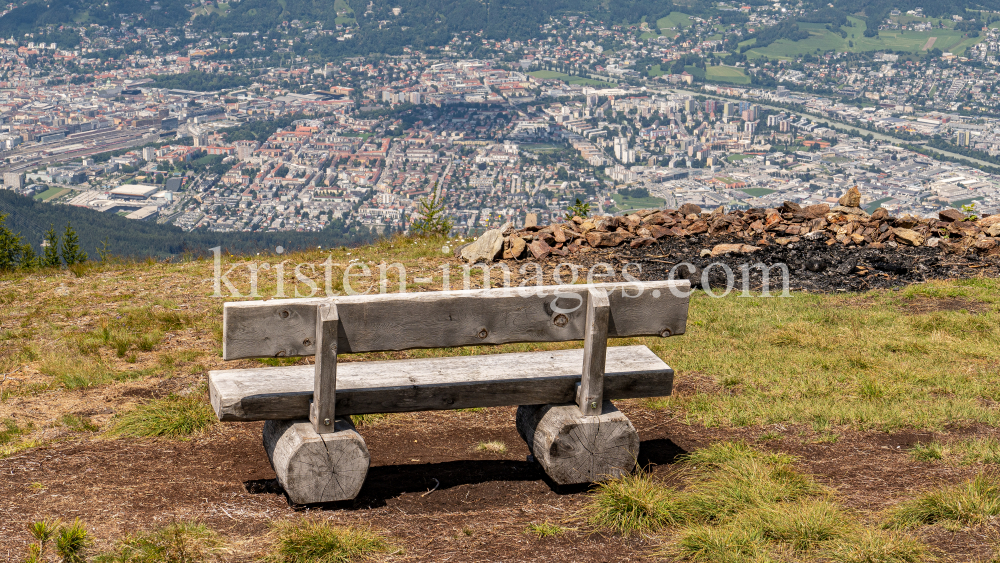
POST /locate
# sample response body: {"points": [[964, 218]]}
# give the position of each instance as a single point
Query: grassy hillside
{"points": [[823, 40], [865, 418]]}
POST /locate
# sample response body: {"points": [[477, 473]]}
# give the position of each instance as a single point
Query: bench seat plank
{"points": [[283, 393]]}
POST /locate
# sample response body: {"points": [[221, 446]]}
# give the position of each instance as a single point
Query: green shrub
{"points": [[72, 541]]}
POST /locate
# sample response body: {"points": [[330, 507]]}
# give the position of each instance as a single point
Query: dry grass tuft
{"points": [[492, 447], [180, 542], [544, 530], [976, 501]]}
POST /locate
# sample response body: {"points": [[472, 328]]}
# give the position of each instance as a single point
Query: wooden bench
{"points": [[565, 413]]}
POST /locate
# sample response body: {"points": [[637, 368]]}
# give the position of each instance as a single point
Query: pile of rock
{"points": [[846, 224]]}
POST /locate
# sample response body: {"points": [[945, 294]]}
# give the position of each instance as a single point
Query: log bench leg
{"points": [[573, 448], [315, 467]]}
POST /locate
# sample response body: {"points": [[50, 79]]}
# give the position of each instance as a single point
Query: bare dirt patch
{"points": [[922, 305], [428, 488]]}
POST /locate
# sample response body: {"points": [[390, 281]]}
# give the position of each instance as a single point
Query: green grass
{"points": [[927, 452], [10, 431], [674, 20], [222, 10], [756, 192], [877, 546], [12, 437], [343, 6], [729, 477], [71, 372], [965, 452], [976, 501], [134, 329], [540, 147], [544, 530], [568, 78], [171, 417], [78, 423], [739, 157], [863, 362], [698, 73], [634, 503], [180, 542], [51, 193], [726, 74], [625, 203], [739, 505], [948, 40], [316, 541], [371, 419]]}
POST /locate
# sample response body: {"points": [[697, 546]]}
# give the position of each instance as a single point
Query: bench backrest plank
{"points": [[404, 321]]}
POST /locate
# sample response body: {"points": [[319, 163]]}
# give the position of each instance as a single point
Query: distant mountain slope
{"points": [[385, 26], [380, 28], [139, 239], [38, 14]]}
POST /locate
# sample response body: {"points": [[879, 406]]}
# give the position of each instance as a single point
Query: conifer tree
{"points": [[50, 257], [71, 253], [29, 259], [434, 221], [10, 247]]}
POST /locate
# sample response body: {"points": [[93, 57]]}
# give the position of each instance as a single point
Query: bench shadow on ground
{"points": [[387, 482]]}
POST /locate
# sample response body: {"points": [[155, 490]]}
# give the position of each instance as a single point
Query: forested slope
{"points": [[139, 239]]}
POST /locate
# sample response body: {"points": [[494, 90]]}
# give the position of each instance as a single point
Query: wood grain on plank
{"points": [[590, 397], [283, 393], [404, 321], [325, 371]]}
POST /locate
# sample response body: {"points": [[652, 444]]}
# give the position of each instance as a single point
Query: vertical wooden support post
{"points": [[321, 412], [590, 395]]}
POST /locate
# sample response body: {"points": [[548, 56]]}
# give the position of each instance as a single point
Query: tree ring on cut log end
{"points": [[573, 448], [312, 467]]}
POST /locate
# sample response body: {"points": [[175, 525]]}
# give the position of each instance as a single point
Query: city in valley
{"points": [[518, 281], [237, 131]]}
